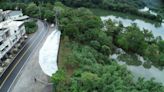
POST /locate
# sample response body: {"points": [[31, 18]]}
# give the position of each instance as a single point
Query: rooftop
{"points": [[10, 24], [13, 13], [22, 18], [3, 30]]}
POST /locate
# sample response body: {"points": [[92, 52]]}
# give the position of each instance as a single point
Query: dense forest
{"points": [[125, 6], [84, 63]]}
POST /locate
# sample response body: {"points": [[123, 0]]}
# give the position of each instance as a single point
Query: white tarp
{"points": [[146, 9], [49, 52]]}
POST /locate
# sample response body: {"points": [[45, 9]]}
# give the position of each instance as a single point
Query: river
{"points": [[156, 30], [140, 71]]}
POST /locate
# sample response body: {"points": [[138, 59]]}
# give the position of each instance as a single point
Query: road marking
{"points": [[26, 61], [19, 60]]}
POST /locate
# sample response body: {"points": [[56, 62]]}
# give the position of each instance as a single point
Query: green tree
{"points": [[152, 52], [132, 40], [161, 45], [49, 15], [95, 45], [89, 81], [32, 10], [58, 77], [161, 59], [105, 50]]}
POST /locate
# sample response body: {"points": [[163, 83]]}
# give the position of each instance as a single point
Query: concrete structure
{"points": [[10, 34]]}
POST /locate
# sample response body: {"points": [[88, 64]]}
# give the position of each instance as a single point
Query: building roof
{"points": [[13, 13], [22, 18], [3, 30], [11, 24], [15, 24]]}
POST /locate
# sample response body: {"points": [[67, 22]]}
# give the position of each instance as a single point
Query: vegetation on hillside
{"points": [[134, 40], [86, 66], [124, 6], [92, 72]]}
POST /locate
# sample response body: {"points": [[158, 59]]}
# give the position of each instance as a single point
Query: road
{"points": [[23, 56]]}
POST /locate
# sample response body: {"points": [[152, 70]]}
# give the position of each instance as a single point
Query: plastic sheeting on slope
{"points": [[49, 52]]}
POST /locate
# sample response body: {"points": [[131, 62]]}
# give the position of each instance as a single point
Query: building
{"points": [[12, 29], [10, 33], [4, 41], [1, 15], [14, 15]]}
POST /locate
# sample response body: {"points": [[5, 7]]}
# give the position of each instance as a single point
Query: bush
{"points": [[105, 50], [95, 44], [31, 27]]}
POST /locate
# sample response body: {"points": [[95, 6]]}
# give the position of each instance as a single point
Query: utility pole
{"points": [[56, 19], [38, 5], [40, 11]]}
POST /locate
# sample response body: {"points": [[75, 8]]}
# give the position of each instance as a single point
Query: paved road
{"points": [[24, 55]]}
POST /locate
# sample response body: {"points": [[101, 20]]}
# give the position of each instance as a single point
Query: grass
{"points": [[64, 52]]}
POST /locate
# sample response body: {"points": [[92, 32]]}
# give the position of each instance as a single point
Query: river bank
{"points": [[102, 12]]}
